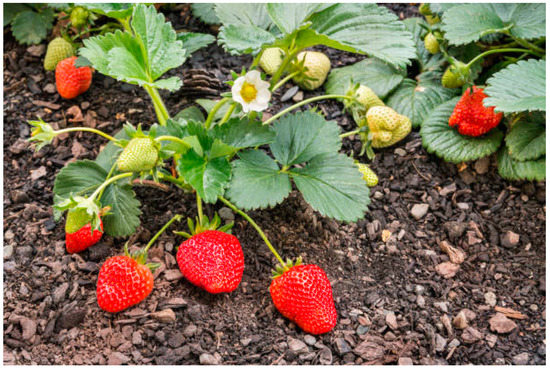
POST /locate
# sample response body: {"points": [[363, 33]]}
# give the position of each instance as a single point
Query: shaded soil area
{"points": [[399, 300]]}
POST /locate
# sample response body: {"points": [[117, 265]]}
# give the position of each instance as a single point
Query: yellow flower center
{"points": [[248, 92]]}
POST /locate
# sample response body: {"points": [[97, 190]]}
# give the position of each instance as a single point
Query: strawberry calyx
{"points": [[196, 227], [280, 269], [42, 133], [86, 209]]}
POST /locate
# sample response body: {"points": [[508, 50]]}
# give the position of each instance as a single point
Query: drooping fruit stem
{"points": [[176, 217], [199, 209], [284, 80], [214, 110], [108, 182], [495, 51], [113, 167], [350, 133], [85, 129], [304, 102], [256, 226], [288, 58], [228, 113], [171, 138]]}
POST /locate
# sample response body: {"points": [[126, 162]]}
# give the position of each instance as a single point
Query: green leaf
{"points": [[365, 28], [208, 177], [195, 41], [332, 185], [162, 49], [290, 16], [444, 141], [469, 22], [379, 76], [11, 10], [190, 113], [205, 12], [417, 98], [512, 169], [257, 181], [428, 61], [141, 58], [29, 27], [303, 135], [527, 139], [518, 87], [248, 14], [244, 39], [111, 10], [242, 133], [83, 177], [124, 218]]}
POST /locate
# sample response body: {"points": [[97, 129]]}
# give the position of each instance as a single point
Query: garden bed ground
{"points": [[391, 300]]}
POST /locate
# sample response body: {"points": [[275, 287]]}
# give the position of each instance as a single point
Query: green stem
{"points": [[108, 176], [86, 129], [258, 229], [307, 101], [530, 46], [283, 66], [284, 80], [126, 24], [351, 133], [214, 110], [157, 235], [489, 52], [171, 138], [199, 209], [178, 182], [108, 182], [228, 113], [160, 108]]}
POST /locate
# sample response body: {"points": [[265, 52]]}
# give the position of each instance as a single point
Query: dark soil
{"points": [[393, 305]]}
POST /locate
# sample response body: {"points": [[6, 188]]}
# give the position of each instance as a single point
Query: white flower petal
{"points": [[246, 107], [257, 106], [261, 85], [253, 77], [236, 89], [263, 96]]}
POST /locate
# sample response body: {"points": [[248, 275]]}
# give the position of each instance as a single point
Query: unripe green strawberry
{"points": [[431, 44], [455, 75], [367, 97], [316, 66], [368, 175], [58, 49], [271, 60], [140, 155], [432, 19], [424, 9], [386, 126], [79, 17]]}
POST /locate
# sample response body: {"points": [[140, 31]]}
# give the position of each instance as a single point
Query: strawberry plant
{"points": [[492, 55], [232, 155]]}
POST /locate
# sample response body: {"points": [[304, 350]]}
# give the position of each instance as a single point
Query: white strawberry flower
{"points": [[251, 92]]}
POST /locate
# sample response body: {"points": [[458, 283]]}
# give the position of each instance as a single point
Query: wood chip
{"points": [[46, 104], [456, 255], [447, 269], [510, 313]]}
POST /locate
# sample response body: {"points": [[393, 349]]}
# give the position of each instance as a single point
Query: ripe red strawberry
{"points": [[212, 260], [71, 81], [471, 117], [78, 231], [303, 294], [122, 282]]}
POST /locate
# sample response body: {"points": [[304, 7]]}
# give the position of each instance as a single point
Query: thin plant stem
{"points": [[228, 113], [108, 176], [199, 209], [86, 129], [351, 133], [256, 226], [284, 80], [176, 217], [160, 108], [304, 102], [171, 138], [108, 182], [283, 66], [214, 110], [495, 51]]}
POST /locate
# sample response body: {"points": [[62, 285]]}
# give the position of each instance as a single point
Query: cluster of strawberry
{"points": [[70, 81], [210, 258]]}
